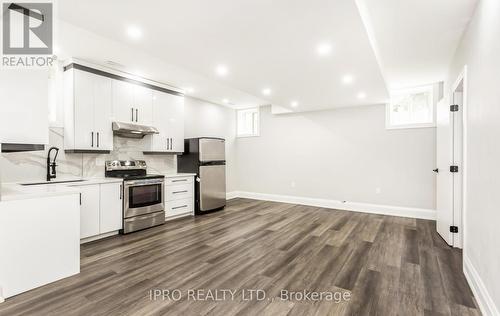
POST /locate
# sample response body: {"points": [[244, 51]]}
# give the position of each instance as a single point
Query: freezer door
{"points": [[212, 149], [212, 187]]}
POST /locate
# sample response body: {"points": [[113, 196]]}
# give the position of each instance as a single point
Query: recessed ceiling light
{"points": [[221, 70], [134, 32], [226, 101], [294, 104], [361, 95], [347, 79], [324, 49], [266, 91]]}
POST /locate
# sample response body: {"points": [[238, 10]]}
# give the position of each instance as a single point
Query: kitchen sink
{"points": [[51, 182]]}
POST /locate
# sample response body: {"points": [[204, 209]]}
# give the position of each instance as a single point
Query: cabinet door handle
{"points": [[92, 136], [80, 199], [97, 139], [121, 191], [132, 110], [177, 207], [136, 115], [183, 191], [183, 180], [170, 143]]}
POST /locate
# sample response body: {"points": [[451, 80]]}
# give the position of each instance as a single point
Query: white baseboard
{"points": [[483, 298], [94, 238], [339, 205], [231, 195]]}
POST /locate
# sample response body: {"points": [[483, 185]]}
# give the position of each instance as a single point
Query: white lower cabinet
{"points": [[100, 209], [89, 211], [110, 215], [179, 196]]}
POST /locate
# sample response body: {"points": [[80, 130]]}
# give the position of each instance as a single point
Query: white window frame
{"points": [[426, 88], [256, 122]]}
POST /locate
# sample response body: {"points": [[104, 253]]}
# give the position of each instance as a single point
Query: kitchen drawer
{"points": [[179, 180], [178, 192], [178, 207]]}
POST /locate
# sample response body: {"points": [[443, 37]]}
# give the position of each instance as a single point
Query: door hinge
{"points": [[453, 168], [454, 108], [454, 229]]}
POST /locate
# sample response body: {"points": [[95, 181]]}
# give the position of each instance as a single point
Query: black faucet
{"points": [[51, 166]]}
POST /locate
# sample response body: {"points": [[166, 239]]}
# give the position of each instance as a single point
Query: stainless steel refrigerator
{"points": [[206, 156]]}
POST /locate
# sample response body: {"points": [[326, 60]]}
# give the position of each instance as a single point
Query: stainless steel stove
{"points": [[143, 202]]}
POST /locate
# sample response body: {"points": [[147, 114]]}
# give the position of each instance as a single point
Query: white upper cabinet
{"points": [[143, 102], [175, 124], [168, 118], [88, 109], [132, 103], [24, 107], [103, 113], [123, 101]]}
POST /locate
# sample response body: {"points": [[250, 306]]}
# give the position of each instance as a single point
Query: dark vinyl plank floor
{"points": [[384, 265]]}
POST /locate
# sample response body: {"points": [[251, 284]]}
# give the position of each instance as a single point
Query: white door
{"points": [[89, 211], [444, 159], [143, 104], [102, 113], [449, 153], [175, 124], [111, 207], [123, 101], [84, 110], [458, 161]]}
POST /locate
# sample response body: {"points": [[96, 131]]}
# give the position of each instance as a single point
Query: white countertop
{"points": [[16, 191], [174, 175], [12, 191]]}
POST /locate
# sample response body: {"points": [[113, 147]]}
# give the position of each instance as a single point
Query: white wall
{"points": [[344, 154], [480, 51], [212, 120]]}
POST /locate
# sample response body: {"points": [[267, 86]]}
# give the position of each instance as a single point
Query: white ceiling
{"points": [[415, 39], [273, 44]]}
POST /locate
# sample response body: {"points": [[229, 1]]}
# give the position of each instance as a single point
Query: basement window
{"points": [[411, 108], [248, 122]]}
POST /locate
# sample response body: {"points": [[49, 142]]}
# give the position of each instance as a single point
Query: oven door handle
{"points": [[141, 183]]}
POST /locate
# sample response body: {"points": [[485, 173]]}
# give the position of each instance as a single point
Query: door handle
{"points": [[436, 170], [178, 207], [136, 115], [92, 136]]}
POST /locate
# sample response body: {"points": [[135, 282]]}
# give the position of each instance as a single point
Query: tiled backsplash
{"points": [[31, 166]]}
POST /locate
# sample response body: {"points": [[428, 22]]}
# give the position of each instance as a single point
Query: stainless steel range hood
{"points": [[133, 130]]}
